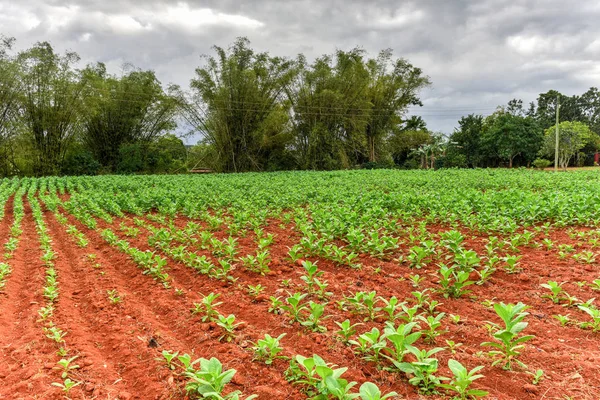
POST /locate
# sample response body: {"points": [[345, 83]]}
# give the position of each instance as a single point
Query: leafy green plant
{"points": [[66, 365], [207, 307], [401, 338], [256, 290], [295, 307], [314, 317], [555, 291], [462, 380], [369, 345], [422, 370], [347, 330], [228, 325], [433, 325], [209, 381], [454, 281], [538, 375], [564, 320], [66, 385], [509, 342], [169, 357], [416, 280], [594, 313], [113, 296], [268, 348]]}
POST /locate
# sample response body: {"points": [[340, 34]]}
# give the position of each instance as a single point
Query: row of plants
{"points": [[51, 294]]}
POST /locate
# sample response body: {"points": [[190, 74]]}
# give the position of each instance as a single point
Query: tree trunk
{"points": [[371, 143]]}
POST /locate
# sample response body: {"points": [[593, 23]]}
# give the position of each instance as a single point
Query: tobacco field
{"points": [[363, 285]]}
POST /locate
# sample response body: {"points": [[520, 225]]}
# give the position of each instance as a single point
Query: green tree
{"points": [[571, 108], [573, 136], [330, 111], [467, 140], [393, 86], [238, 105], [403, 141], [507, 136], [10, 92], [122, 110], [53, 94]]}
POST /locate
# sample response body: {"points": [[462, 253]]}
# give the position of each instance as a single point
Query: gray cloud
{"points": [[478, 54]]}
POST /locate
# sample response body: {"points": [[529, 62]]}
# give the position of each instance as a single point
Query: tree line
{"points": [[256, 112], [515, 135]]}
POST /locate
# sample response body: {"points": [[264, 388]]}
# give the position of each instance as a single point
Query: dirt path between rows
{"points": [[24, 349]]}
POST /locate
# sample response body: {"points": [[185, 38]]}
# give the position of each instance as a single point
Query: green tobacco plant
{"points": [[294, 307], [422, 370], [594, 313], [207, 307], [347, 330], [401, 338], [66, 365], [228, 325], [509, 342], [369, 345], [209, 381], [555, 291], [454, 281], [460, 383], [66, 385], [314, 317], [268, 348]]}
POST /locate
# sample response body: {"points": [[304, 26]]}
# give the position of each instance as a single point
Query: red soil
{"points": [[117, 362]]}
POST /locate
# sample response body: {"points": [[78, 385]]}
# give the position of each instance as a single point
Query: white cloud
{"points": [[181, 15], [13, 16]]}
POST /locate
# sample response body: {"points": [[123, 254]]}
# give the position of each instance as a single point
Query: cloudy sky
{"points": [[479, 53]]}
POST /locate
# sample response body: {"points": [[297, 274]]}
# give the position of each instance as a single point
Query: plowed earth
{"points": [[119, 345]]}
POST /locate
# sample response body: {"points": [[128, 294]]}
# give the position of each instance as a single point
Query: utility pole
{"points": [[557, 133]]}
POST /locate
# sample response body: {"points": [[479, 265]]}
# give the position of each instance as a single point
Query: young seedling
{"points": [[66, 386], [55, 334], [433, 325], [207, 307], [209, 381], [268, 348], [255, 291], [510, 343], [422, 370], [452, 346], [294, 307], [313, 320], [276, 305], [454, 281], [347, 330], [169, 358], [66, 365], [401, 338], [555, 291], [564, 320], [538, 375], [369, 345], [461, 381], [370, 391], [228, 325], [594, 313], [512, 264], [391, 308], [113, 296], [416, 280]]}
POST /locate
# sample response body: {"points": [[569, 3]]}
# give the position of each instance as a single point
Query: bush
{"points": [[81, 163], [541, 163], [386, 164]]}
